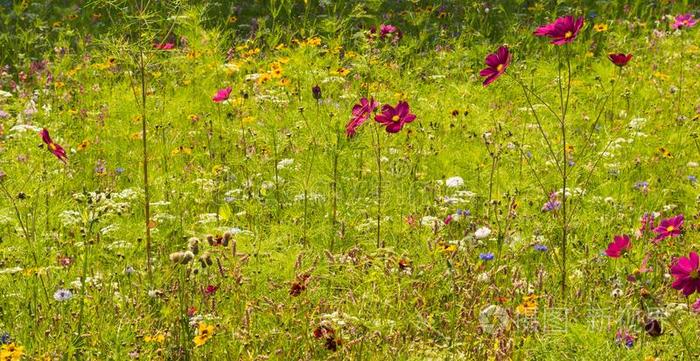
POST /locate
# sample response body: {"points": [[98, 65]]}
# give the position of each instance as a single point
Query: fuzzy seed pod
{"points": [[176, 257], [227, 238], [193, 245], [188, 256]]}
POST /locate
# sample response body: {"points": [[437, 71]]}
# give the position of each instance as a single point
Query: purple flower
{"points": [[684, 21], [562, 31], [360, 114], [541, 248], [496, 63], [486, 256], [669, 227], [394, 118], [686, 271], [552, 204], [620, 245]]}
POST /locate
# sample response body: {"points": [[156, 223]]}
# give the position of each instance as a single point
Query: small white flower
{"points": [[482, 233], [454, 182], [285, 163]]}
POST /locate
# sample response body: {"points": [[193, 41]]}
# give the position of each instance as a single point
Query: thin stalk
{"points": [[144, 143], [378, 152]]}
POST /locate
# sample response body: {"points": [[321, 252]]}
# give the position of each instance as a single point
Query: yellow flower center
{"points": [[52, 146], [395, 118], [499, 67], [670, 228], [685, 22], [568, 34], [695, 274]]}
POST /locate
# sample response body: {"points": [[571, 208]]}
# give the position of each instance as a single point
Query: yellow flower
{"points": [[284, 82], [136, 136], [280, 46], [276, 73], [158, 337], [343, 71], [661, 75], [11, 352], [232, 19], [83, 145], [665, 153], [599, 28], [528, 307], [264, 77], [315, 41], [205, 332]]}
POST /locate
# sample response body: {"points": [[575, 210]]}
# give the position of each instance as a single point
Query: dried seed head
{"points": [[176, 257], [210, 239], [227, 238], [188, 256], [193, 245]]}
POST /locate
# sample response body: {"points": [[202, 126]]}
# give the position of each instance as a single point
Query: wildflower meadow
{"points": [[349, 180]]}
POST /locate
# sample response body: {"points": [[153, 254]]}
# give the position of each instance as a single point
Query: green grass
{"points": [[218, 168]]}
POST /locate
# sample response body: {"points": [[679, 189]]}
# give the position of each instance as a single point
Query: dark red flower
{"points": [[394, 118], [620, 59], [210, 290], [56, 149], [496, 63], [562, 31]]}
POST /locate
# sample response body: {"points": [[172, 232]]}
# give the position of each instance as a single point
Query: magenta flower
{"points": [[620, 59], [684, 21], [686, 271], [360, 113], [164, 46], [496, 63], [562, 31], [387, 29], [394, 118], [56, 149], [620, 245], [222, 95], [669, 227]]}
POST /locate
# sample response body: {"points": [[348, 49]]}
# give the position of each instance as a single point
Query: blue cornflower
{"points": [[486, 256], [541, 248]]}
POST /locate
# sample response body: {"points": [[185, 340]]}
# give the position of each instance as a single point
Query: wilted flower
{"points": [[653, 328], [562, 31], [316, 91], [360, 114]]}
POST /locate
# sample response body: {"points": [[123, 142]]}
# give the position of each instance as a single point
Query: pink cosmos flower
{"points": [[696, 306], [669, 227], [360, 113], [620, 245], [56, 149], [684, 21], [222, 95], [496, 63], [394, 118], [620, 59], [562, 31], [164, 46], [387, 29], [686, 271]]}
